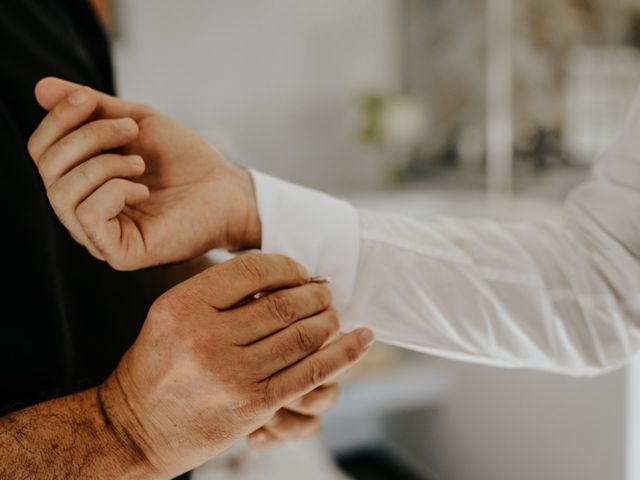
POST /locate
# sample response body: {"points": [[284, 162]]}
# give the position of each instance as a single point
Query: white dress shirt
{"points": [[558, 296]]}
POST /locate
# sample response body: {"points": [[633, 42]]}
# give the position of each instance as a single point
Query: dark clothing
{"points": [[75, 315]]}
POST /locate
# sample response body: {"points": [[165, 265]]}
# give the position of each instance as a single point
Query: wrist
{"points": [[118, 422], [245, 228]]}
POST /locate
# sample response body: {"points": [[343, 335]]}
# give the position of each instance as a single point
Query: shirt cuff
{"points": [[315, 229]]}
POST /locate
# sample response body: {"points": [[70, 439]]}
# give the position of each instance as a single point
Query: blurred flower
{"points": [[403, 123], [396, 122]]}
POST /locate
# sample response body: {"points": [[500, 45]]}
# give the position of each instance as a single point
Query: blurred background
{"points": [[463, 107]]}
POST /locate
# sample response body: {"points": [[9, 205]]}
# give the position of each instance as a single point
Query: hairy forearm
{"points": [[67, 438]]}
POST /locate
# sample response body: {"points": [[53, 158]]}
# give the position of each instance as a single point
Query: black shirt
{"points": [[75, 315]]}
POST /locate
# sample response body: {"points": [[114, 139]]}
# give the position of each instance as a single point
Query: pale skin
{"points": [[206, 369], [161, 194], [133, 186]]}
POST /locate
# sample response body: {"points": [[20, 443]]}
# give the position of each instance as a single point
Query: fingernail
{"points": [[136, 161], [79, 97], [125, 124], [304, 273], [320, 279], [366, 338]]}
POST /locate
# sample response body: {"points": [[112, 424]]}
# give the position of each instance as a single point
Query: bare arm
{"points": [[69, 437]]}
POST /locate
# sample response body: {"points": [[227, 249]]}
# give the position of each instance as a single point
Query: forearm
{"points": [[67, 438]]}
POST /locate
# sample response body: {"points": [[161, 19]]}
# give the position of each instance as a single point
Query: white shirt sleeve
{"points": [[562, 297], [318, 230]]}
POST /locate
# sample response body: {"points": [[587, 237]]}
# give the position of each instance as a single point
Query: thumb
{"points": [[51, 90]]}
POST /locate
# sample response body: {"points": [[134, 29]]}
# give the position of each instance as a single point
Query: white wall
{"points": [[515, 425], [274, 81], [633, 421]]}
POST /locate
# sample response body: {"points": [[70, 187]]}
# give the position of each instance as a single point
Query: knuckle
{"points": [[45, 167], [318, 372], [284, 263], [253, 267], [166, 309], [268, 394], [351, 352], [166, 317], [57, 196], [281, 350], [207, 279], [89, 170], [87, 215], [304, 340], [280, 308]]}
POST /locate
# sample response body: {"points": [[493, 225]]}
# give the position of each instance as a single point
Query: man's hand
{"points": [[204, 373], [133, 186], [299, 420]]}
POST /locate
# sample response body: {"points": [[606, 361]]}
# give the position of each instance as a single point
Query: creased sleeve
{"points": [[556, 296]]}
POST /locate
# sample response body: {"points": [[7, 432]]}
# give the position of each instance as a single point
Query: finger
{"points": [[70, 190], [67, 193], [288, 426], [68, 113], [276, 311], [251, 273], [51, 90], [293, 343], [317, 401], [85, 142], [261, 439], [71, 105], [318, 368], [97, 214]]}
